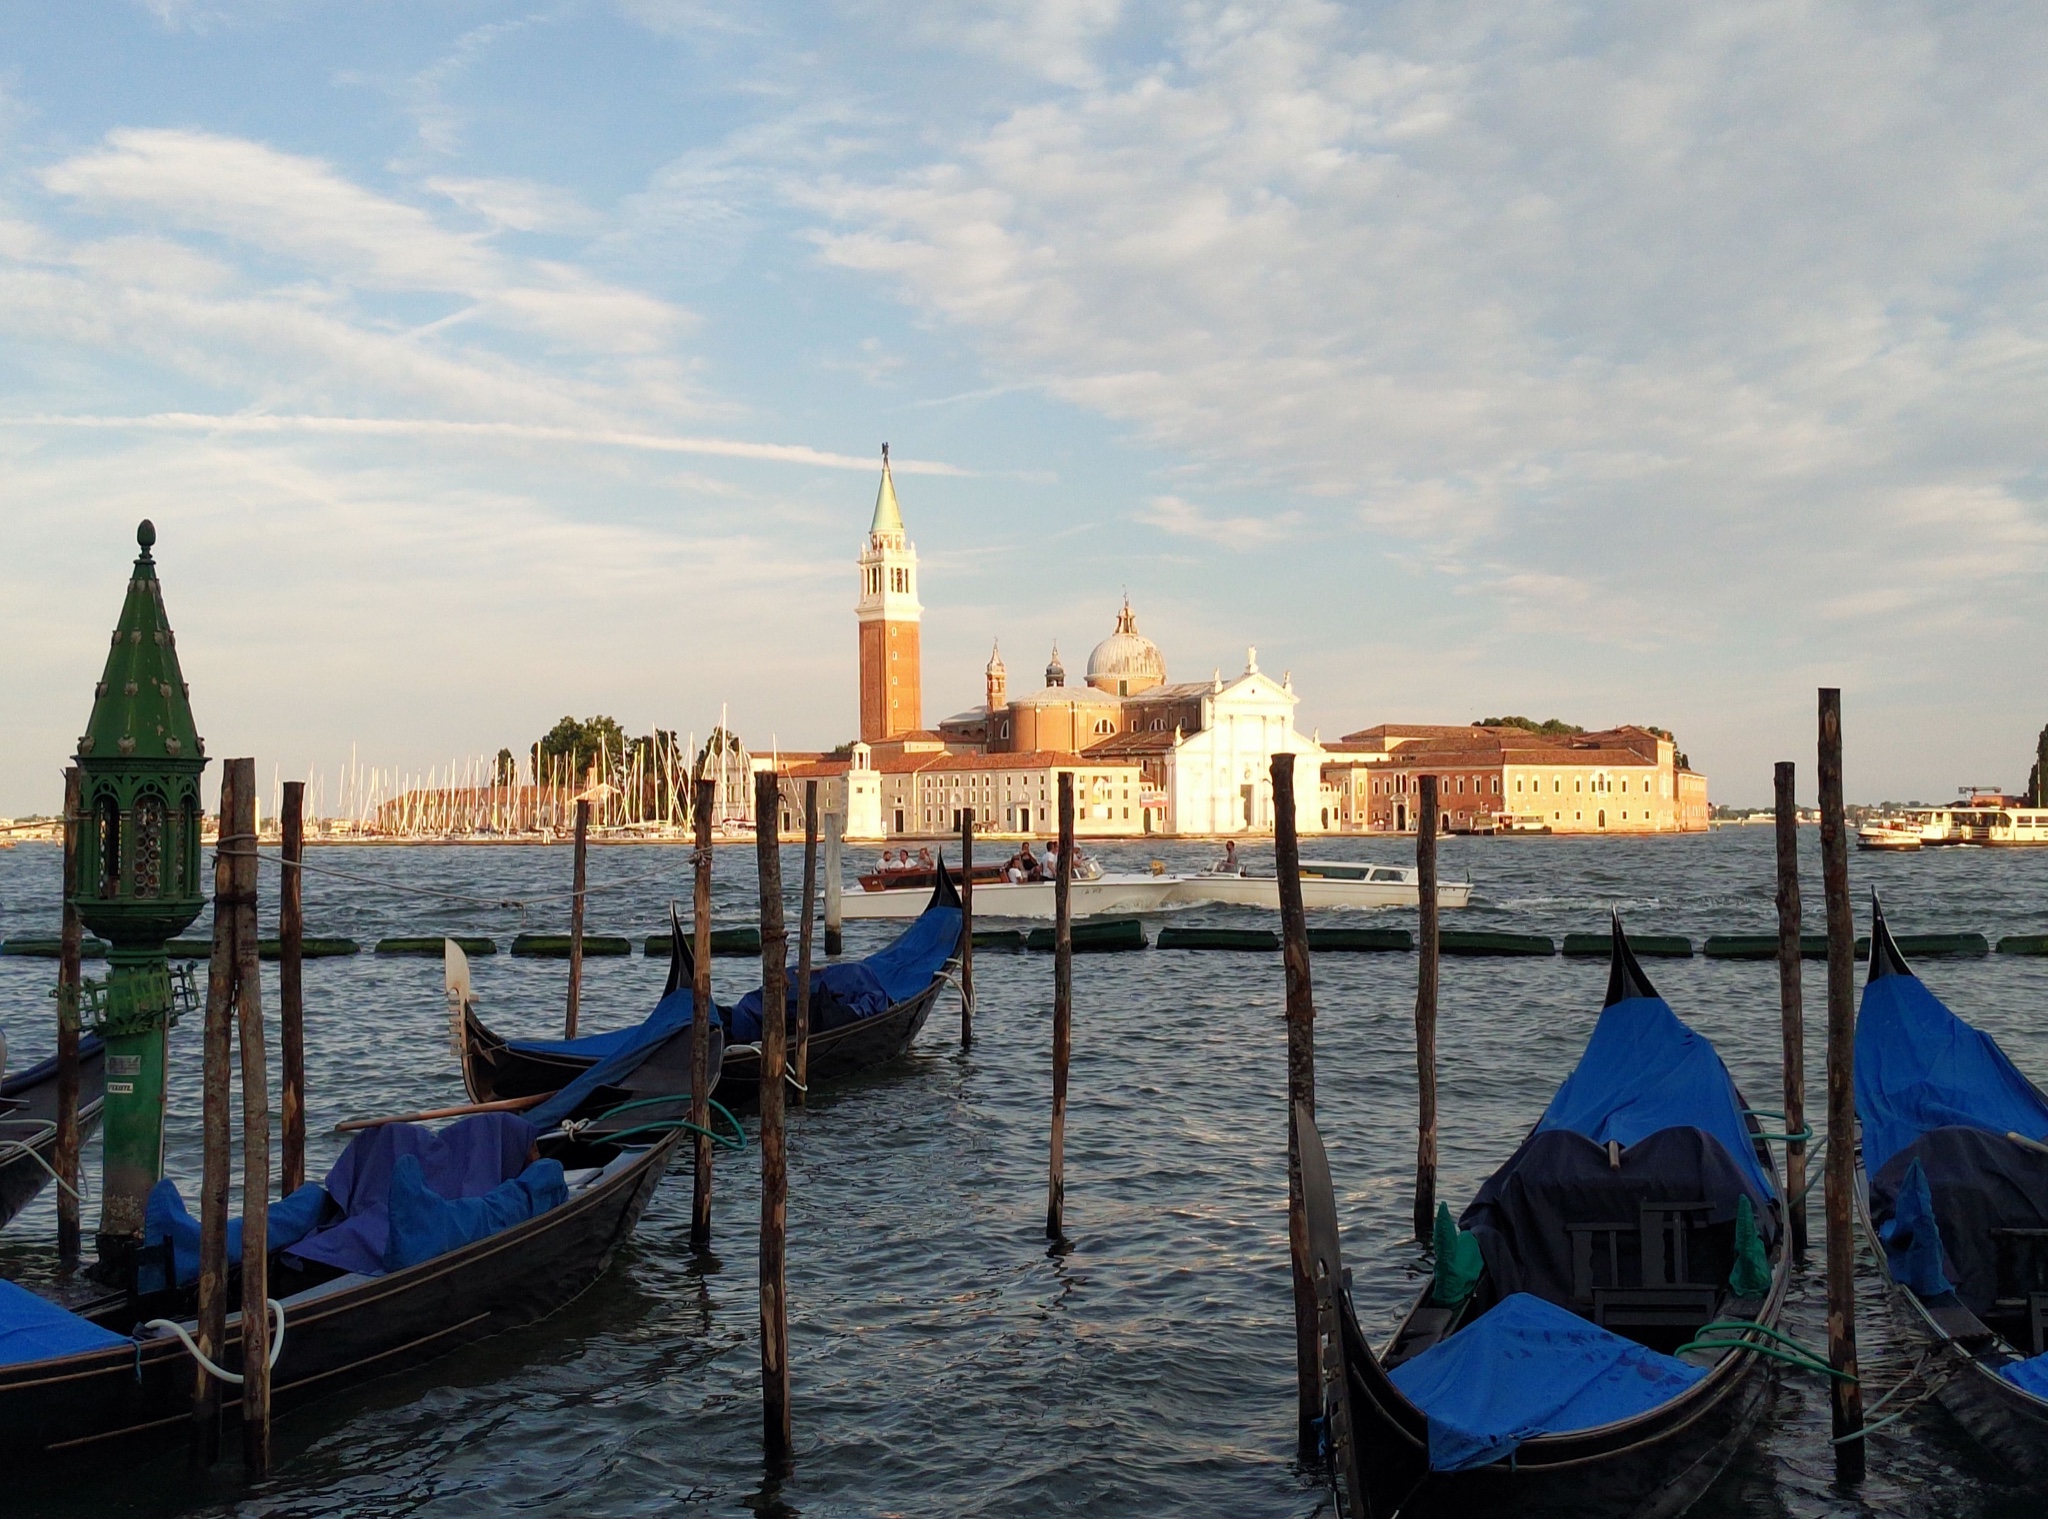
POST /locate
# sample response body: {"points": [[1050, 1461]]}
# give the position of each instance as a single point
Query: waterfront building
{"points": [[923, 790], [1508, 779]]}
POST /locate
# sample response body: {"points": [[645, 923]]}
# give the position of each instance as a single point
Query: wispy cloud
{"points": [[1184, 519]]}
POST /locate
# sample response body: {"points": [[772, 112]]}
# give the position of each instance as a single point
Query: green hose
{"points": [[737, 1140], [1797, 1355]]}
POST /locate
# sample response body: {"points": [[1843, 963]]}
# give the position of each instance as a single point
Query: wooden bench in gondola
{"points": [[1663, 1299]]}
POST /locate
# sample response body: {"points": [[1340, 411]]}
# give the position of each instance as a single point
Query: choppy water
{"points": [[944, 1362]]}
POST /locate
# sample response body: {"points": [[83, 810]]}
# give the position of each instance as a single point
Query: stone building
{"points": [[924, 791]]}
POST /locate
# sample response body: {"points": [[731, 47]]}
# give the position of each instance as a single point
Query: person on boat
{"points": [[1228, 865], [924, 858], [1028, 865]]}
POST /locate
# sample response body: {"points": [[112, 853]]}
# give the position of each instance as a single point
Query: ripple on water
{"points": [[943, 1360]]}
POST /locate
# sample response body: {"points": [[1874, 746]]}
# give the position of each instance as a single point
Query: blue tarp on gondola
{"points": [[1530, 1368], [165, 1218], [2029, 1375], [618, 1054], [35, 1329], [862, 988], [1645, 1070], [1919, 1068]]}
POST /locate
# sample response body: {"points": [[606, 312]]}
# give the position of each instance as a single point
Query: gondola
{"points": [[102, 1382], [1539, 1372], [914, 967], [28, 1123], [1953, 1196]]}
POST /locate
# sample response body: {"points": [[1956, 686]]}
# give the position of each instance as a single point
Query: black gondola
{"points": [[495, 1068], [1598, 1189], [1957, 1205], [28, 1123], [340, 1328]]}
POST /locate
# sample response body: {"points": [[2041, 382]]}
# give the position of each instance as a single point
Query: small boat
{"points": [[1324, 884], [1953, 1189], [864, 1013], [86, 1385], [28, 1122], [1540, 1371], [1890, 833]]}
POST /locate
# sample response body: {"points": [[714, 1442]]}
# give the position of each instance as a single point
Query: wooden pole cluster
{"points": [[291, 998], [1062, 1011], [700, 1019], [1841, 1163], [967, 931], [803, 945], [1426, 826], [775, 1432], [69, 974], [234, 995], [835, 938], [1301, 1097], [1791, 1006], [576, 916]]}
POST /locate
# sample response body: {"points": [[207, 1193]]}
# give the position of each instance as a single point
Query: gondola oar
{"points": [[504, 1105]]}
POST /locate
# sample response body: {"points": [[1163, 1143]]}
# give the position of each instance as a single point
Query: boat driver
{"points": [[1228, 865]]}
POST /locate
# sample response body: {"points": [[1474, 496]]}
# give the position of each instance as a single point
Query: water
{"points": [[943, 1360]]}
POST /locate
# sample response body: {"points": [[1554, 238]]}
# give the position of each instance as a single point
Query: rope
{"points": [[1799, 1355], [276, 1345], [1901, 1411], [27, 1147]]}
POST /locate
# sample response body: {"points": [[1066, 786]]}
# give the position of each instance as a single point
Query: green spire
{"points": [[141, 709], [888, 519]]}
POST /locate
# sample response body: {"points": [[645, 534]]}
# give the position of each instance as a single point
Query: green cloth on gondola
{"points": [[1458, 1262], [1752, 1274]]}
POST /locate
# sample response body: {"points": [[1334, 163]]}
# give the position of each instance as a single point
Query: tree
{"points": [[1550, 727], [506, 768], [580, 745]]}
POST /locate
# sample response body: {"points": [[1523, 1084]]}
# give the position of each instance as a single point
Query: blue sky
{"points": [[480, 364]]}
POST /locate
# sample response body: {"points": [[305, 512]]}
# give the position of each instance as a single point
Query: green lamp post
{"points": [[139, 762]]}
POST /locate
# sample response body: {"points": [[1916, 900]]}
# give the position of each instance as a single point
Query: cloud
{"points": [[1185, 520], [522, 205]]}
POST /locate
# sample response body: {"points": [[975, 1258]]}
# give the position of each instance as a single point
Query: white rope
{"points": [[276, 1345], [27, 1147]]}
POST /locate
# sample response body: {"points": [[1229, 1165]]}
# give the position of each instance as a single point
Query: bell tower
{"points": [[891, 683]]}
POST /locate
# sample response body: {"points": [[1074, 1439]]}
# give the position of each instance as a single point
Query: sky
{"points": [[482, 364]]}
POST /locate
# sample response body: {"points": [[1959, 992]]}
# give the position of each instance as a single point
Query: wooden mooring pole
{"points": [[1062, 1011], [576, 917], [237, 843], [1791, 1006], [1841, 1162], [1426, 826], [775, 1434], [700, 1015], [967, 930], [256, 1326], [803, 944], [69, 974], [291, 997], [1301, 1095], [835, 831]]}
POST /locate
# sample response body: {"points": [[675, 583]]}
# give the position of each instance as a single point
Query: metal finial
{"points": [[145, 534], [885, 456]]}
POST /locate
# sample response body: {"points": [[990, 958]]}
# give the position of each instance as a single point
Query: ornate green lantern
{"points": [[138, 883]]}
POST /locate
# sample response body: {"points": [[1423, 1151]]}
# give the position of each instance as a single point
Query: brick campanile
{"points": [[891, 684]]}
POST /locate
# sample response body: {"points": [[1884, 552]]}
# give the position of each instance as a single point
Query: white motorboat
{"points": [[1324, 883]]}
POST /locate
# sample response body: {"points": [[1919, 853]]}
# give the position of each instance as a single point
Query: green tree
{"points": [[506, 768], [579, 745], [1550, 727]]}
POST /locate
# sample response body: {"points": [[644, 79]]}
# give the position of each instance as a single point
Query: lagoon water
{"points": [[944, 1362]]}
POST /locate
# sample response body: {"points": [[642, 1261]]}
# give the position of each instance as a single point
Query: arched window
{"points": [[110, 846]]}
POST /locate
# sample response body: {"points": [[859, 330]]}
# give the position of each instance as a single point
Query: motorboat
{"points": [[1324, 883], [1890, 834]]}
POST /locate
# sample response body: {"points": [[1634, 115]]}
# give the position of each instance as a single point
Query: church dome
{"points": [[1126, 662]]}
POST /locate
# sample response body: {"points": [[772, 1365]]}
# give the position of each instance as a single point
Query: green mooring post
{"points": [[139, 763]]}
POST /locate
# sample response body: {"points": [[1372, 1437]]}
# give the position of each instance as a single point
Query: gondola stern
{"points": [[1625, 976], [1885, 957]]}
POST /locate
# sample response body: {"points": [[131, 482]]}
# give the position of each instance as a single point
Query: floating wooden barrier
{"points": [[51, 947], [1665, 946], [310, 948], [1096, 938], [189, 949], [2023, 944], [1761, 947], [999, 938], [556, 946], [433, 945], [1252, 939], [724, 941], [1359, 940], [1931, 946], [1484, 942]]}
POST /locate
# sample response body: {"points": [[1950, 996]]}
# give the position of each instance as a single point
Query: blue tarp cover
{"points": [[1919, 1067], [469, 1158], [865, 987], [165, 1216], [36, 1329], [1912, 1239], [1530, 1368], [618, 1054], [2028, 1376], [425, 1224], [1643, 1071]]}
